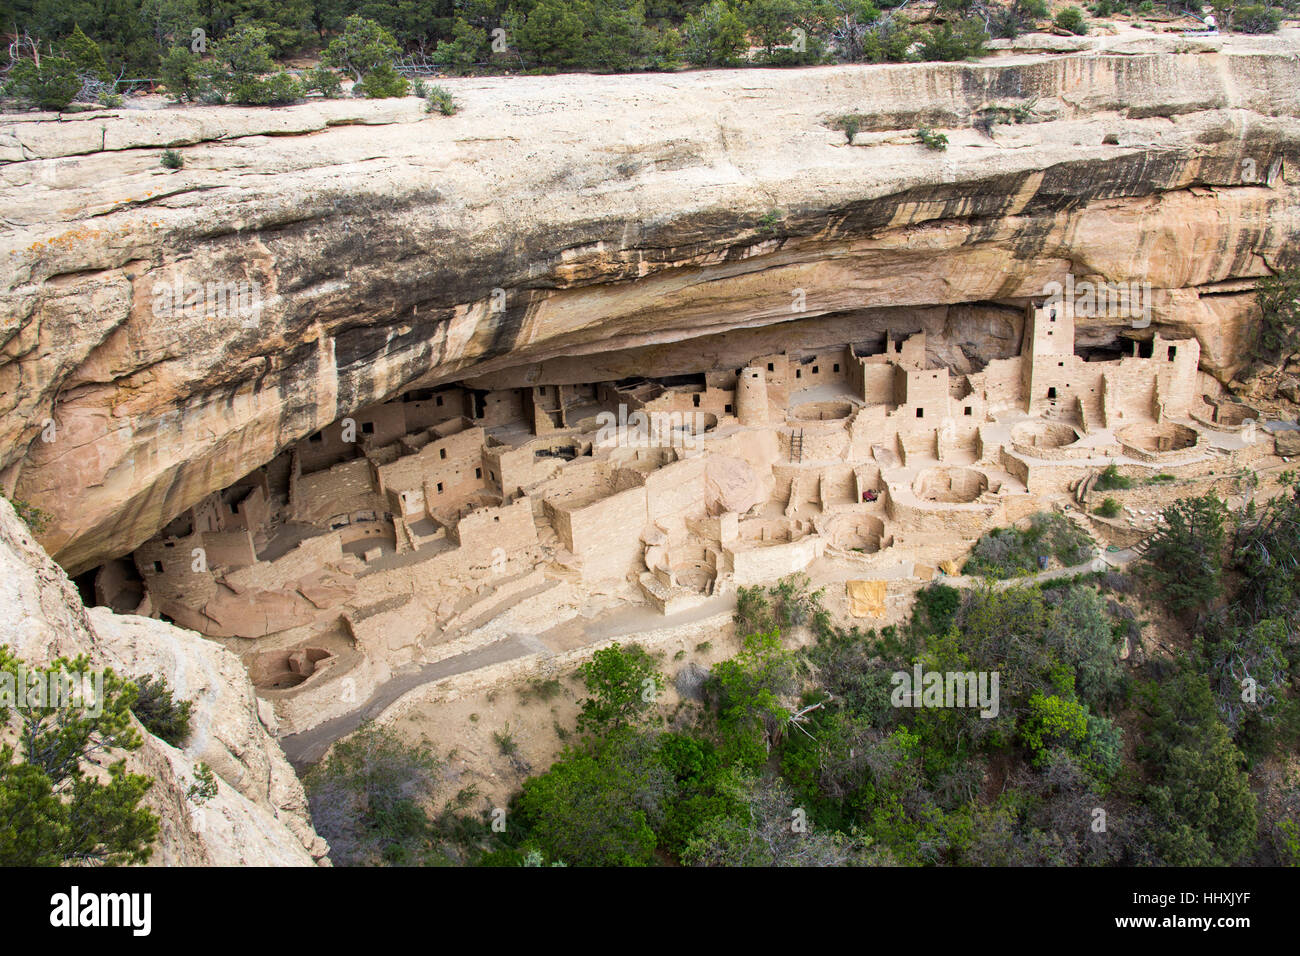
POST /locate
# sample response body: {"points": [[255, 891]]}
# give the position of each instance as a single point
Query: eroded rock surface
{"points": [[259, 815], [603, 220]]}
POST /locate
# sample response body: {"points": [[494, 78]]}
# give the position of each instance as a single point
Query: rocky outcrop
{"points": [[259, 815], [582, 216]]}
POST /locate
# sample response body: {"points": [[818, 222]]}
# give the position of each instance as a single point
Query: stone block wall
{"points": [[316, 497], [509, 527]]}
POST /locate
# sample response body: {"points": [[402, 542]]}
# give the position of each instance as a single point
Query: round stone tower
{"points": [[751, 396]]}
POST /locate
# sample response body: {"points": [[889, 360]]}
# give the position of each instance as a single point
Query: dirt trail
{"points": [[309, 746]]}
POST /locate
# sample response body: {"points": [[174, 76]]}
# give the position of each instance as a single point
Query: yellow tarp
{"points": [[866, 598], [950, 567]]}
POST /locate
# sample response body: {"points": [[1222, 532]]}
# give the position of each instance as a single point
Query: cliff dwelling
{"points": [[484, 439], [412, 522]]}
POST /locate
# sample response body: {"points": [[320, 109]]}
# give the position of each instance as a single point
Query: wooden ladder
{"points": [[796, 445]]}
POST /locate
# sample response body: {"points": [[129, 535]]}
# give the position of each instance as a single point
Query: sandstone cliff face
{"points": [[259, 815], [568, 216]]}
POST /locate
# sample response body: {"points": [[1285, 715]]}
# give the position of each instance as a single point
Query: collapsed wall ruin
{"points": [[379, 537]]}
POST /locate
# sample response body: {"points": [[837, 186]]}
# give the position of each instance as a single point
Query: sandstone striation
{"points": [[611, 219]]}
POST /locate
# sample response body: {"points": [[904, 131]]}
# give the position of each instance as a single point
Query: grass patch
{"points": [[1073, 580], [538, 689], [1111, 480], [1011, 552], [439, 100], [930, 139], [505, 741], [1109, 508]]}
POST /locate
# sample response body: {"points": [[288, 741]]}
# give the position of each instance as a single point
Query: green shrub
{"points": [[1007, 22], [597, 807], [715, 35], [468, 45], [788, 603], [665, 49], [34, 517], [850, 125], [51, 86], [236, 72], [205, 785], [361, 49], [65, 794], [1199, 796], [162, 715], [1256, 18], [1111, 480], [367, 799], [1183, 557], [752, 687], [1279, 327], [1011, 552], [242, 53], [598, 35], [86, 56], [1110, 508], [946, 42], [1081, 634], [936, 607], [505, 741], [278, 89], [1071, 20], [622, 686], [887, 41], [171, 159], [384, 82], [1053, 722], [322, 80], [439, 99], [932, 140]]}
